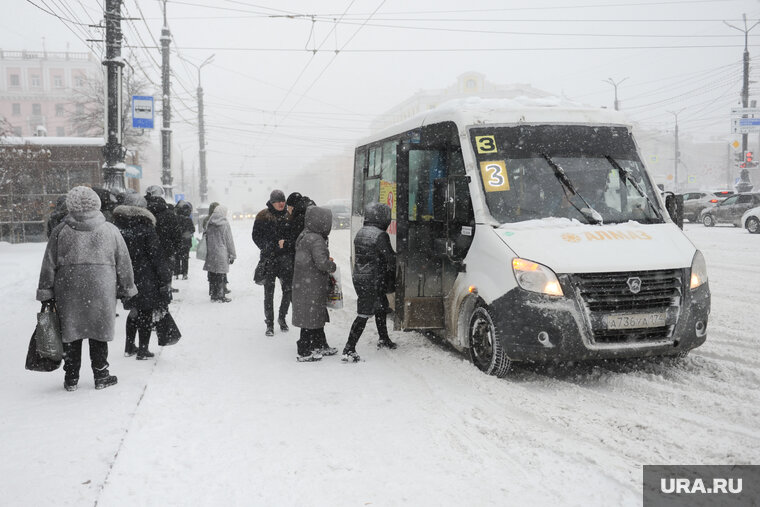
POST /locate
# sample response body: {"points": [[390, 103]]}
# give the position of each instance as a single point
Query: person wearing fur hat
{"points": [[86, 267], [220, 253], [270, 234], [152, 275]]}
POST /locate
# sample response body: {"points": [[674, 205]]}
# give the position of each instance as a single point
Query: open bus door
{"points": [[429, 232]]}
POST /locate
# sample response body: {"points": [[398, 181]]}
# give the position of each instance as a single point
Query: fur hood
{"points": [[124, 214]]}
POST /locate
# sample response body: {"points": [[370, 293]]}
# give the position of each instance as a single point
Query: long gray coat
{"points": [[220, 249], [312, 268], [86, 268]]}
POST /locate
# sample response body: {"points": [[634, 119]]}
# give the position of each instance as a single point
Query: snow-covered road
{"points": [[228, 417]]}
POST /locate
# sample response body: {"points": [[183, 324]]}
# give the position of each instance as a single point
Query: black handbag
{"points": [[167, 330], [36, 362], [261, 271]]}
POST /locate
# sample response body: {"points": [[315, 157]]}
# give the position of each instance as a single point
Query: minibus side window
{"points": [[359, 163]]}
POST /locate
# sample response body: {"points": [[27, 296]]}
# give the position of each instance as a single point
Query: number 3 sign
{"points": [[494, 176], [485, 144]]}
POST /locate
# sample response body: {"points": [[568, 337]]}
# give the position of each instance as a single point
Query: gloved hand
{"points": [[232, 260], [48, 302]]}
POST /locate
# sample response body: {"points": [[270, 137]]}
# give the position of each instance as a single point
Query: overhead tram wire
{"points": [[88, 44]]}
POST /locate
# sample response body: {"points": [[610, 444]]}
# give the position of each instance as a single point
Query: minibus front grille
{"points": [[610, 292], [604, 294]]}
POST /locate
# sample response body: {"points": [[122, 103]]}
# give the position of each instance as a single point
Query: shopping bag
{"points": [[334, 291], [200, 251], [193, 243], [48, 333], [260, 273], [35, 362], [167, 330]]}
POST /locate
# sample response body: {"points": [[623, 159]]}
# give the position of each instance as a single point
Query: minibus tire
{"points": [[486, 351], [753, 225], [708, 220]]}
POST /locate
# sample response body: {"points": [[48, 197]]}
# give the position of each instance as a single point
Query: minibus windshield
{"points": [[521, 182]]}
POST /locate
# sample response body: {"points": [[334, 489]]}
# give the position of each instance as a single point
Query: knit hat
{"points": [[154, 190], [277, 196], [82, 199], [293, 199], [135, 199]]}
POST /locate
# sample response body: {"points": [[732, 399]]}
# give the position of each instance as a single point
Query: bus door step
{"points": [[423, 313]]}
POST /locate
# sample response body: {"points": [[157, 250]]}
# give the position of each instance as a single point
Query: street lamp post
{"points": [[677, 153], [201, 131], [615, 85]]}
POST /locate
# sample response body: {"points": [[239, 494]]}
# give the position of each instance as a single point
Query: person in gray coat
{"points": [[313, 266], [220, 253], [86, 267]]}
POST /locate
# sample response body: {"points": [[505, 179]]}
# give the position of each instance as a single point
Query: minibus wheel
{"points": [[486, 351]]}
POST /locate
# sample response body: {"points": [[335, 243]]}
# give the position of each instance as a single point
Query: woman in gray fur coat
{"points": [[220, 253], [312, 269], [86, 267]]}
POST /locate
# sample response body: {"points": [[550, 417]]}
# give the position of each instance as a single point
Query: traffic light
{"points": [[749, 162], [748, 157]]}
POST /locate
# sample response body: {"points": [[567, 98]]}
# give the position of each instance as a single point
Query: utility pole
{"points": [[166, 131], [745, 83], [113, 168], [677, 153], [615, 85], [201, 130]]}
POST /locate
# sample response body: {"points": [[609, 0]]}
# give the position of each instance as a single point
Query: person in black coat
{"points": [[167, 224], [58, 214], [152, 273], [374, 277], [271, 234], [183, 210]]}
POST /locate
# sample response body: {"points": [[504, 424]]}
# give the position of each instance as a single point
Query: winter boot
{"points": [[107, 381], [130, 349], [70, 384], [386, 343], [283, 325], [314, 356], [350, 357], [327, 351], [270, 330], [143, 354]]}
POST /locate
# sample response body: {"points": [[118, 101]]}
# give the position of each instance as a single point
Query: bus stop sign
{"points": [[142, 112]]}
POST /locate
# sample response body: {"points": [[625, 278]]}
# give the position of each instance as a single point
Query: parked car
{"points": [[751, 220], [341, 214], [730, 210], [695, 202]]}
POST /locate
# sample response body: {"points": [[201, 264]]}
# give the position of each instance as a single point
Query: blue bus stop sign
{"points": [[142, 112]]}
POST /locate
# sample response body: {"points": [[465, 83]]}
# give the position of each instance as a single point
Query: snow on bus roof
{"points": [[476, 110], [52, 141]]}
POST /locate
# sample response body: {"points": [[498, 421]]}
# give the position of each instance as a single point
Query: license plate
{"points": [[635, 320]]}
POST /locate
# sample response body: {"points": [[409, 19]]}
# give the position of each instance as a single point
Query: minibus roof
{"points": [[478, 111]]}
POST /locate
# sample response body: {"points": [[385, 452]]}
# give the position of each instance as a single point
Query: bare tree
{"points": [[88, 116]]}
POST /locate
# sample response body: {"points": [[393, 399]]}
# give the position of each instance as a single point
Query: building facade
{"points": [[37, 89]]}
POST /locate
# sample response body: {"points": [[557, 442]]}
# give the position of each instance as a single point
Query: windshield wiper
{"points": [[588, 212], [625, 175]]}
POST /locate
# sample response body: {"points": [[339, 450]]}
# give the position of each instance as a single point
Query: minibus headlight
{"points": [[698, 270], [536, 277]]}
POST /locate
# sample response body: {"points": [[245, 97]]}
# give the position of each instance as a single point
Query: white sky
{"points": [[321, 103]]}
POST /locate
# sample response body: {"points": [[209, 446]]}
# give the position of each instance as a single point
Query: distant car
{"points": [[730, 210], [238, 215], [341, 215], [695, 202], [751, 220]]}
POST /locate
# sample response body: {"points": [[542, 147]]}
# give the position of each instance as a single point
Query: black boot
{"points": [[283, 325], [70, 384], [270, 330], [102, 383], [382, 330]]}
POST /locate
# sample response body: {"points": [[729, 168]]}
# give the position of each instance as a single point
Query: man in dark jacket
{"points": [[270, 234], [183, 210], [152, 274], [373, 277], [167, 224]]}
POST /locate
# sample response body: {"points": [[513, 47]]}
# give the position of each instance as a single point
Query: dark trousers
{"points": [[216, 285], [182, 259], [282, 268], [72, 359], [139, 321], [357, 328], [310, 340]]}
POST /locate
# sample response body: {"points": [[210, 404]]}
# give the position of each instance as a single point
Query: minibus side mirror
{"points": [[439, 199], [459, 206], [674, 205]]}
